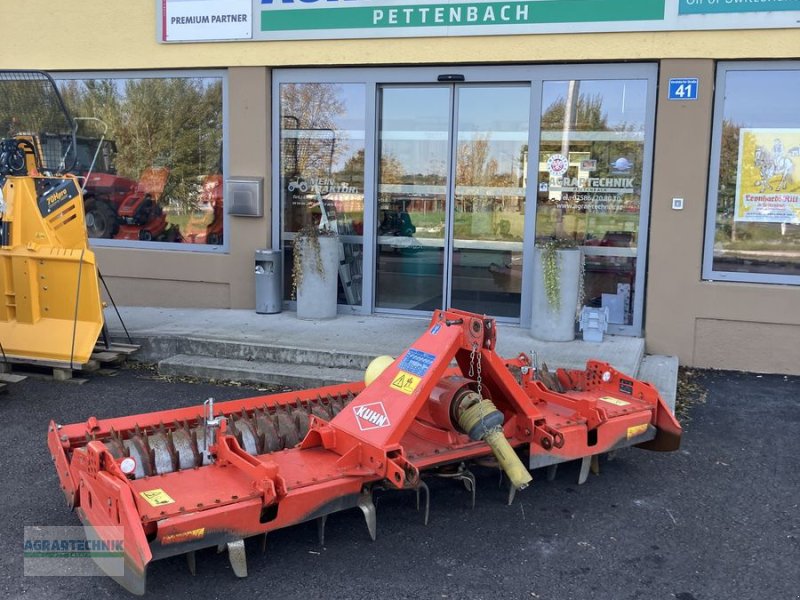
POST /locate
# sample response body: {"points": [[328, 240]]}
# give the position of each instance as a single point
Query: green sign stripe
{"points": [[461, 14], [703, 7]]}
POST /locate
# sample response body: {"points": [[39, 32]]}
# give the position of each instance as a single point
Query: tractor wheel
{"points": [[101, 220]]}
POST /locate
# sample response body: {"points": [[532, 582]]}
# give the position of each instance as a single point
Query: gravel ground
{"points": [[718, 519]]}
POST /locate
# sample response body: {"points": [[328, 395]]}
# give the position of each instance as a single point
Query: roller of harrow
{"points": [[212, 475]]}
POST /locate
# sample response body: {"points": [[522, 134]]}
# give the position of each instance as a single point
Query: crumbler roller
{"points": [[181, 480]]}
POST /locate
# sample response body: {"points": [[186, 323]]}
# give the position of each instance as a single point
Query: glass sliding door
{"points": [[451, 246], [489, 200], [412, 174], [441, 181]]}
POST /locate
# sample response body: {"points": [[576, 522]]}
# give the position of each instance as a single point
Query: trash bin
{"points": [[269, 281]]}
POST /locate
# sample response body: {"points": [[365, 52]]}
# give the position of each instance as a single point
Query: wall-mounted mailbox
{"points": [[245, 196]]}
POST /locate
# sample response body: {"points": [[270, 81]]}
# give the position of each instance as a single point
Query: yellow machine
{"points": [[51, 311]]}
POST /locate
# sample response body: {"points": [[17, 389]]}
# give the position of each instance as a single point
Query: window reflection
{"points": [[150, 152], [590, 179], [322, 172], [757, 221]]}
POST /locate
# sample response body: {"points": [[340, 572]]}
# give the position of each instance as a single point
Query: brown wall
{"points": [[190, 279], [727, 325]]}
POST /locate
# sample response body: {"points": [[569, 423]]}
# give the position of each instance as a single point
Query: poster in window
{"points": [[768, 180]]}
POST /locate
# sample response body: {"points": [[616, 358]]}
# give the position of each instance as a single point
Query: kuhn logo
{"points": [[371, 416]]}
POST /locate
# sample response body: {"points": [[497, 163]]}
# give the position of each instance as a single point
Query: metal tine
{"points": [[423, 487], [321, 528], [595, 465], [264, 543], [512, 492], [370, 514], [238, 557], [470, 483], [191, 562], [552, 470], [586, 463]]}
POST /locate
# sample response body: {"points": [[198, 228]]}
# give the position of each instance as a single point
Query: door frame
{"points": [[534, 75]]}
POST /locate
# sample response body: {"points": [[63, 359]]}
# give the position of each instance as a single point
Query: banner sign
{"points": [[264, 20], [206, 20], [767, 183], [701, 7]]}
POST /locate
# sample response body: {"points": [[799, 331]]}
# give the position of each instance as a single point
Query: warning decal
{"points": [[637, 430], [371, 416], [405, 382], [615, 401], [156, 497], [417, 362], [184, 536]]}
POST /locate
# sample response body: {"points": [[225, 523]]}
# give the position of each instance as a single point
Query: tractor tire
{"points": [[101, 220]]}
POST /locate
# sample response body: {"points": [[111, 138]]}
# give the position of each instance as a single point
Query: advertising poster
{"points": [[768, 181]]}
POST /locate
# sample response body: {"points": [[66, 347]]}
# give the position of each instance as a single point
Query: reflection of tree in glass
{"points": [[159, 122], [313, 109], [391, 169], [587, 116]]}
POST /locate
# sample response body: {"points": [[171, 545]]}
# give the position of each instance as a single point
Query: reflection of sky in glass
{"points": [[414, 127], [350, 124], [762, 98]]}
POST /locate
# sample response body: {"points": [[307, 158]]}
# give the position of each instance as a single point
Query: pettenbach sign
{"points": [[261, 20]]}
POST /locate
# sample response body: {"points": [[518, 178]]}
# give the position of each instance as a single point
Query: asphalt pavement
{"points": [[719, 519]]}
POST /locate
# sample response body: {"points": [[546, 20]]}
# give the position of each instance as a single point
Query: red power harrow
{"points": [[180, 480]]}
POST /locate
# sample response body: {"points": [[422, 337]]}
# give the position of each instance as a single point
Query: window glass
{"points": [[756, 200], [322, 133], [150, 152], [590, 168]]}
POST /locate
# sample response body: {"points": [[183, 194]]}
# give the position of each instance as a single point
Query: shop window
{"points": [[590, 165], [322, 144], [150, 156], [753, 224]]}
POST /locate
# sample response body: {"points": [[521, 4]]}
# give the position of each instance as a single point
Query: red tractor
{"points": [[140, 214]]}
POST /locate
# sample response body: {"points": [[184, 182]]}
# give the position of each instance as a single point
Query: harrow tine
{"points": [[264, 543], [595, 465], [321, 529], [470, 483], [586, 463], [512, 492], [191, 562], [370, 514], [423, 487], [238, 558], [552, 470]]}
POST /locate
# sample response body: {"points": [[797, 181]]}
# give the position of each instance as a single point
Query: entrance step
{"points": [[662, 372], [275, 373]]}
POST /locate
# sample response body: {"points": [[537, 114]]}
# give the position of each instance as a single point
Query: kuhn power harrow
{"points": [[212, 475]]}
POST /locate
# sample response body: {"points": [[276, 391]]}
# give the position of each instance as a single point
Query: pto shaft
{"points": [[481, 420]]}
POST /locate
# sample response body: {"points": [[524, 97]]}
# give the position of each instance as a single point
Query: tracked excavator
{"points": [[178, 481]]}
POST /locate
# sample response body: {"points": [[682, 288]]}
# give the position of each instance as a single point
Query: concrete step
{"points": [[662, 372], [160, 347], [235, 369]]}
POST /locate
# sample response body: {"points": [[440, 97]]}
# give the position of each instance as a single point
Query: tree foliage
{"points": [[155, 122]]}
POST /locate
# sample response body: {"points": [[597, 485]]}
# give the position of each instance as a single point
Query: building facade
{"points": [[443, 143]]}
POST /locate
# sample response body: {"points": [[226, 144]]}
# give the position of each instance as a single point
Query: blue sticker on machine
{"points": [[416, 362], [436, 329]]}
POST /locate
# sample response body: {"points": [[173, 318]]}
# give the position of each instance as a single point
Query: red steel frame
{"points": [[241, 495]]}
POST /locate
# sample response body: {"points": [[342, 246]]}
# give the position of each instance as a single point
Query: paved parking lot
{"points": [[717, 520]]}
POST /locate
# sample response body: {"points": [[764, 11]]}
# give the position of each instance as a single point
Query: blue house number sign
{"points": [[683, 89]]}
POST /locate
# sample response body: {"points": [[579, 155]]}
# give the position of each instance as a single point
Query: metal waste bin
{"points": [[269, 281]]}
